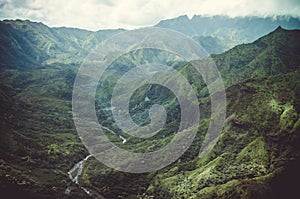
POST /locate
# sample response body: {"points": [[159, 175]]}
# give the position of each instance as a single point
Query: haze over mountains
{"points": [[37, 43], [257, 155], [243, 29]]}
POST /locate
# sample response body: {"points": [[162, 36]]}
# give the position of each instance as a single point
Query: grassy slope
{"points": [[262, 131], [260, 138]]}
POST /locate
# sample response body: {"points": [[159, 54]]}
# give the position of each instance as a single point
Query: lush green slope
{"points": [[260, 139], [272, 54], [257, 152], [26, 44]]}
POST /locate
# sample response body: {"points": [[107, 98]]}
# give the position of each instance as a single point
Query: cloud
{"points": [[103, 14]]}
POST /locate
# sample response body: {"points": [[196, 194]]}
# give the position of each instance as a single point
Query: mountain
{"points": [[26, 42], [257, 155], [230, 31], [211, 44], [264, 57]]}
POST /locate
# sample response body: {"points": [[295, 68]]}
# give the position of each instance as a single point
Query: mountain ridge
{"points": [[46, 43], [274, 44], [47, 47], [231, 31]]}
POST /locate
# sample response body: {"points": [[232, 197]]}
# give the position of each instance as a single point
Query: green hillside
{"points": [[27, 44]]}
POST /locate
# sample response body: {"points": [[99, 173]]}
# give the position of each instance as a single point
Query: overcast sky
{"points": [[129, 14]]}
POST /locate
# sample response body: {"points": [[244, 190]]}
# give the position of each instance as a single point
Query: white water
{"points": [[79, 166], [120, 136], [124, 139]]}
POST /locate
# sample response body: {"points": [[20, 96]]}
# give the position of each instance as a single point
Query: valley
{"points": [[257, 155]]}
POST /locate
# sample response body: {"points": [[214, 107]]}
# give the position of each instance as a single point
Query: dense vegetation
{"points": [[256, 156]]}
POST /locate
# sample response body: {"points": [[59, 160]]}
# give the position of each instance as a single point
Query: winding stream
{"points": [[79, 166]]}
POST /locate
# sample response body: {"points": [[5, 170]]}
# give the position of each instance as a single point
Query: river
{"points": [[79, 166]]}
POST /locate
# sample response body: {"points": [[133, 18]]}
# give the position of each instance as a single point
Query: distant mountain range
{"points": [[38, 44], [230, 31]]}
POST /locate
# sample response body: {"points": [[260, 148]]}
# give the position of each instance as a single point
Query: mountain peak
{"points": [[279, 28], [183, 17], [278, 31]]}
